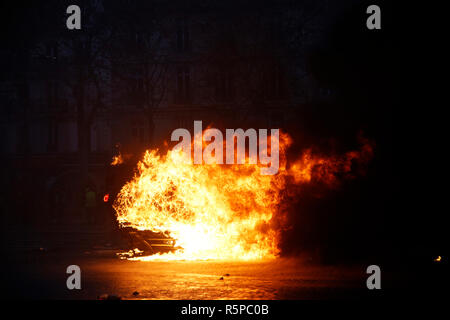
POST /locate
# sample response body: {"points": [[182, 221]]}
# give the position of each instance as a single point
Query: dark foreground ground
{"points": [[34, 266], [42, 275]]}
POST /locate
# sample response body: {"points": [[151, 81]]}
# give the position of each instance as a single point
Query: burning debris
{"points": [[228, 212], [117, 160], [120, 159], [106, 296], [146, 242]]}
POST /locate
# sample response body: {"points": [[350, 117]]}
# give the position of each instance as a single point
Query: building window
{"points": [[182, 35], [138, 131], [224, 85], [139, 38], [52, 94], [137, 91], [183, 94], [51, 50], [52, 145]]}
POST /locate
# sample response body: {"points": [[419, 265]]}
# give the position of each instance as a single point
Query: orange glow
{"points": [[106, 197], [438, 259], [120, 159], [227, 212], [117, 160]]}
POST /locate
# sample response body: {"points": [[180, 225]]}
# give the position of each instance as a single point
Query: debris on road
{"points": [[106, 296]]}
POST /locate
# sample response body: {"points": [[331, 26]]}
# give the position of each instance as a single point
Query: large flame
{"points": [[218, 211]]}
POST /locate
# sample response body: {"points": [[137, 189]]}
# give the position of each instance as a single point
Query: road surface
{"points": [[42, 275]]}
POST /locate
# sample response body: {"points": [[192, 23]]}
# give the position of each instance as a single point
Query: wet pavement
{"points": [[42, 275]]}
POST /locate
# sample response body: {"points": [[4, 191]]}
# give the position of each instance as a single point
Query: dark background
{"points": [[391, 216]]}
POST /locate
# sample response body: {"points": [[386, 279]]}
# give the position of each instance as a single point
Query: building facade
{"points": [[241, 69]]}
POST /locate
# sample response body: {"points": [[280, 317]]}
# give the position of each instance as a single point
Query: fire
{"points": [[117, 160], [227, 212], [120, 159]]}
